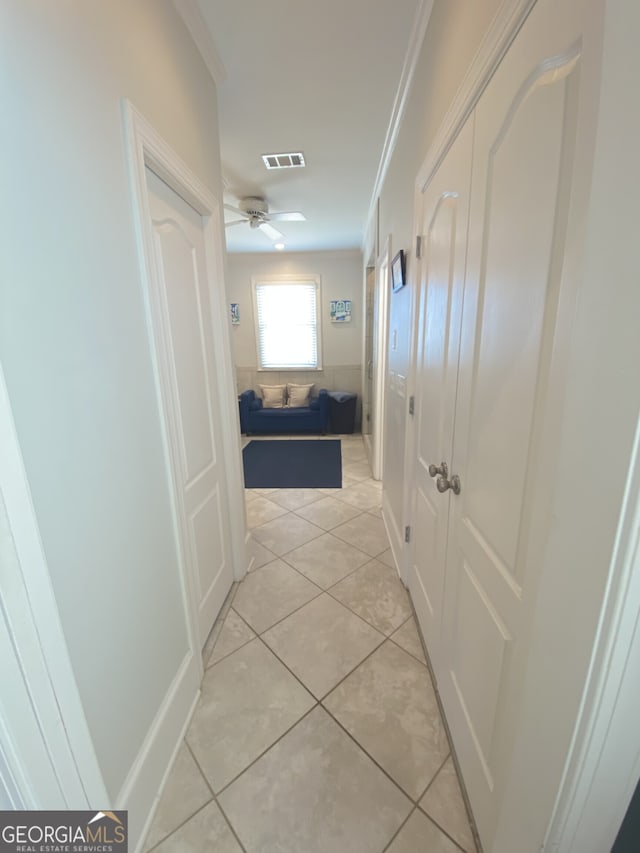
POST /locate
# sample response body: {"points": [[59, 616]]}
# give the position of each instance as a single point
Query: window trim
{"points": [[306, 279]]}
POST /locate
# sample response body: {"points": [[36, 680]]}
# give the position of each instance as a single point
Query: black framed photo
{"points": [[398, 271]]}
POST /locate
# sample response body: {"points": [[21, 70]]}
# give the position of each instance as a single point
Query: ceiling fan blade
{"points": [[235, 222], [288, 216], [235, 209], [271, 232]]}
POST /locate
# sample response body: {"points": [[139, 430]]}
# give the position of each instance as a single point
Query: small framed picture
{"points": [[340, 310], [398, 271], [235, 313]]}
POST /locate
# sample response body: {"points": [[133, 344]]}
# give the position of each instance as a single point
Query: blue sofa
{"points": [[255, 418]]}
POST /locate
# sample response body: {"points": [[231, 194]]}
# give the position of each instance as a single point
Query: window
{"points": [[287, 323]]}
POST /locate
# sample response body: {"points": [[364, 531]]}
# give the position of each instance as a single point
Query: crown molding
{"points": [[199, 30], [503, 29], [418, 31]]}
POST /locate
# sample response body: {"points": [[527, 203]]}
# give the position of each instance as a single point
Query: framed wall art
{"points": [[340, 310], [398, 271]]}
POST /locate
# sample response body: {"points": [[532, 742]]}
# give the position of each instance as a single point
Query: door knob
{"points": [[443, 484], [439, 470]]}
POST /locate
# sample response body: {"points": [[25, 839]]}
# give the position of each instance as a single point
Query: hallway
{"points": [[317, 728]]}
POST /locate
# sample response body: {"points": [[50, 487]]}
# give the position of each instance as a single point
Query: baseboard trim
{"points": [[393, 533], [140, 792], [252, 558]]}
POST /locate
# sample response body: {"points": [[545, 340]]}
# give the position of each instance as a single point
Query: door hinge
{"points": [[418, 245], [407, 534], [412, 405]]}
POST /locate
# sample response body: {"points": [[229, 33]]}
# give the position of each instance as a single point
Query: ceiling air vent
{"points": [[284, 161]]}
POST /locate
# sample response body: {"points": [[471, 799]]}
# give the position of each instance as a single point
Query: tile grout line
{"points": [[442, 829], [304, 604], [402, 648], [242, 645], [216, 628], [213, 795], [384, 638], [270, 747], [312, 581], [230, 825], [328, 592], [360, 513], [346, 607], [399, 829], [433, 779], [370, 624], [317, 703], [342, 726], [370, 757], [347, 675], [184, 822], [290, 671], [465, 798]]}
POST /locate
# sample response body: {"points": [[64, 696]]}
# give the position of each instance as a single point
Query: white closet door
{"points": [[445, 213], [534, 127], [192, 401]]}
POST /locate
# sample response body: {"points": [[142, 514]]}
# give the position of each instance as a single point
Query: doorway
{"points": [[184, 333], [367, 395], [375, 351]]}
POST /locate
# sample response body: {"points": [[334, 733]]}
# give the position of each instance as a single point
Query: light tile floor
{"points": [[318, 729]]}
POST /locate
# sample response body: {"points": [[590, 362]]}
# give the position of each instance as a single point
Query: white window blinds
{"points": [[287, 325]]}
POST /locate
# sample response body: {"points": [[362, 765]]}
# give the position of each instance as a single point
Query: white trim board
{"points": [[157, 754], [199, 31], [380, 358], [147, 149], [67, 772], [504, 28], [610, 702], [418, 30]]}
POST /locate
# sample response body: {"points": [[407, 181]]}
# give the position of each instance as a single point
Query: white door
{"points": [[191, 398], [445, 213], [531, 165]]}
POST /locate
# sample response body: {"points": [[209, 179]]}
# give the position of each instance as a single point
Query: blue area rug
{"points": [[293, 464]]}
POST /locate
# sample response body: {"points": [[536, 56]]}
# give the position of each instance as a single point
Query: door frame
{"points": [[587, 809], [603, 763], [146, 148], [47, 757], [380, 358]]}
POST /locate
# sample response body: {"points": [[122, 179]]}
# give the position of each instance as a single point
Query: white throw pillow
{"points": [[273, 396], [299, 395]]}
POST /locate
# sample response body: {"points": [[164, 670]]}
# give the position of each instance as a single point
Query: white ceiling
{"points": [[317, 76]]}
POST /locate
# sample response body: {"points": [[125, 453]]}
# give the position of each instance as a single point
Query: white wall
{"points": [[73, 339], [455, 30], [341, 278]]}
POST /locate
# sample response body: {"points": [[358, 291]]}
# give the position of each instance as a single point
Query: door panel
{"points": [[519, 225], [527, 165], [189, 345], [444, 232], [481, 645], [184, 296]]}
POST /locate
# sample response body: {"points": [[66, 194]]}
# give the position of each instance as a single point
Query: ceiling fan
{"points": [[255, 211]]}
